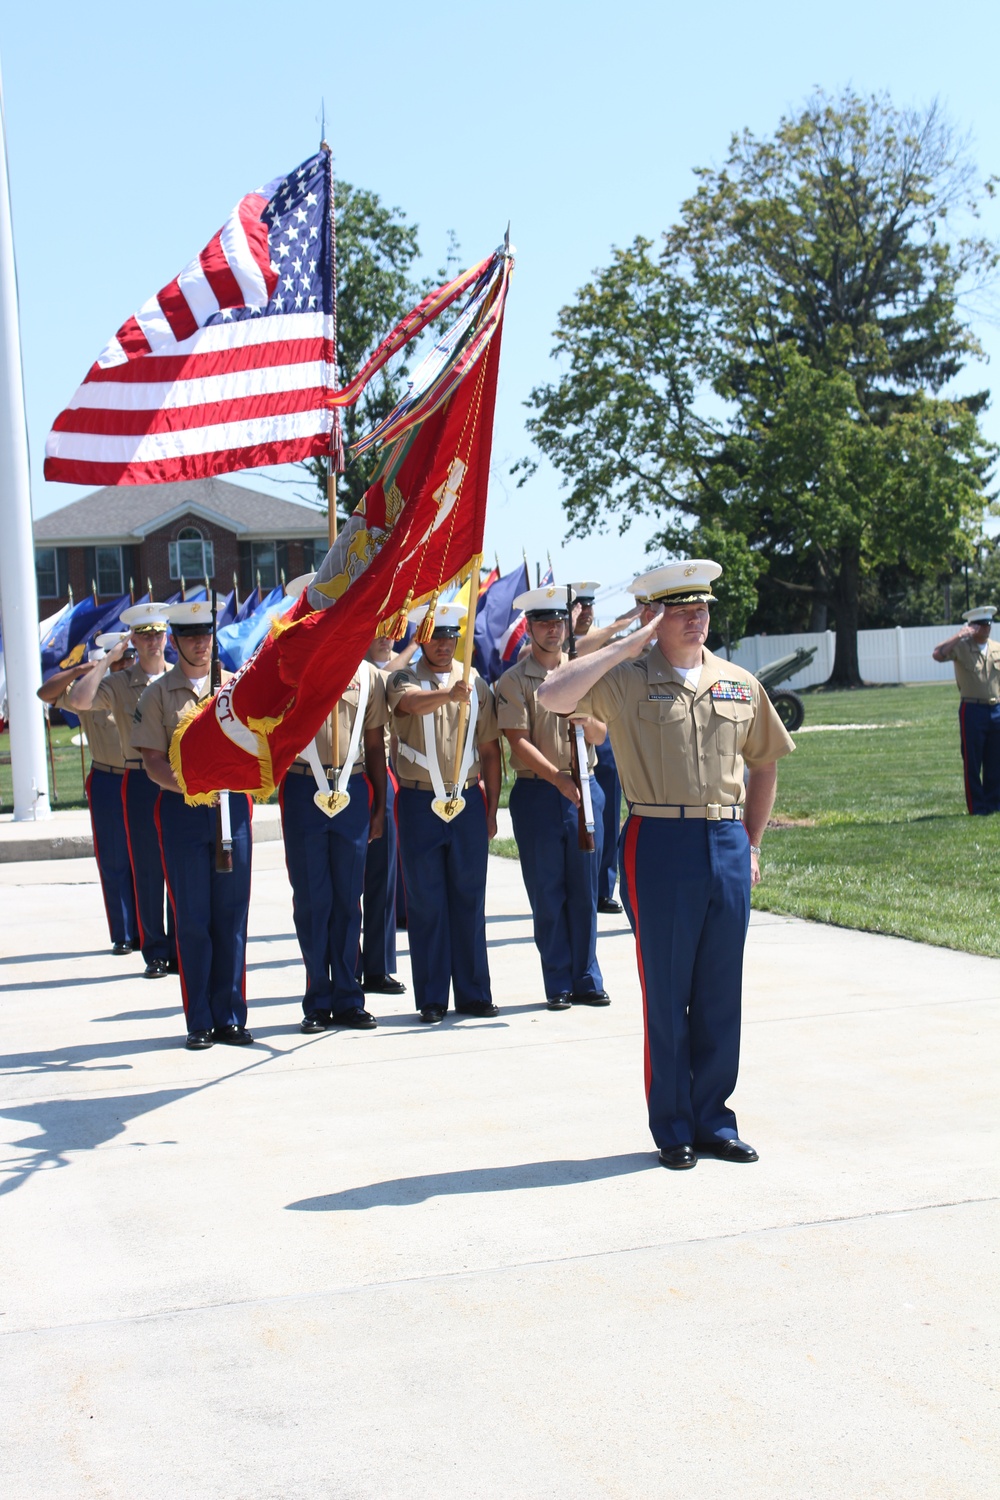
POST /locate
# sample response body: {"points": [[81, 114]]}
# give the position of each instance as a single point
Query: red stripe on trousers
{"points": [[131, 858], [965, 757], [97, 852], [631, 838], [170, 896]]}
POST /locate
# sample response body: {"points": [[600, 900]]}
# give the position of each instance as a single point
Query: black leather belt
{"points": [[423, 786], [99, 765], [987, 702], [297, 769]]}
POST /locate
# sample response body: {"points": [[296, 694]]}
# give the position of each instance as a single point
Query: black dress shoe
{"points": [[157, 969], [609, 906], [198, 1040], [560, 1002], [317, 1020], [431, 1015], [599, 997], [119, 950], [677, 1158], [478, 1008], [356, 1018], [383, 984], [233, 1036], [729, 1150]]}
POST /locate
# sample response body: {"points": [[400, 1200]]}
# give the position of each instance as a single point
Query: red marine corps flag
{"points": [[233, 366], [418, 529]]}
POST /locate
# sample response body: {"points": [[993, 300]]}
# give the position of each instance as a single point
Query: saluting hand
{"points": [[632, 646]]}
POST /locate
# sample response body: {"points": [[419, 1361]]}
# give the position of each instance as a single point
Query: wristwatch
{"points": [[755, 849]]}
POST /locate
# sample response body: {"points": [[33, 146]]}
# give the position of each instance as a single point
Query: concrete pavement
{"points": [[443, 1263]]}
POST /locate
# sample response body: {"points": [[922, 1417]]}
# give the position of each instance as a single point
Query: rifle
{"points": [[578, 757], [223, 826]]}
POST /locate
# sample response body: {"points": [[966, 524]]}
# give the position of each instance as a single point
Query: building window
{"points": [[313, 553], [47, 572], [108, 562], [264, 562], [191, 556]]}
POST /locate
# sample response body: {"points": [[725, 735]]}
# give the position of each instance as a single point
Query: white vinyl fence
{"points": [[902, 654]]}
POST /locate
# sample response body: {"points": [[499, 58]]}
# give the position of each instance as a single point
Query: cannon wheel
{"points": [[790, 709]]}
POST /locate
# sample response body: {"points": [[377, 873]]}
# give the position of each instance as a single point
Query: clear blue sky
{"points": [[133, 129]]}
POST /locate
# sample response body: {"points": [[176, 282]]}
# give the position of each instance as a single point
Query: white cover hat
{"points": [[981, 615], [146, 616], [544, 601], [686, 582], [294, 586], [448, 618], [110, 638]]}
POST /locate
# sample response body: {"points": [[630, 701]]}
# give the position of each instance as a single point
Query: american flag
{"points": [[230, 366]]}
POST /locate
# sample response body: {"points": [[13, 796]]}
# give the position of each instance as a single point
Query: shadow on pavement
{"points": [[401, 1192], [73, 1125]]}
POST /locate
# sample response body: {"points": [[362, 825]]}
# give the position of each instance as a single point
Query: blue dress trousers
{"points": [[606, 772], [326, 867], [561, 881], [107, 819], [444, 869], [210, 909], [139, 798], [686, 889], [980, 727], [378, 943]]}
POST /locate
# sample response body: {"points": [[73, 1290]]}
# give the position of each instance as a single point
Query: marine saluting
{"points": [[684, 723]]}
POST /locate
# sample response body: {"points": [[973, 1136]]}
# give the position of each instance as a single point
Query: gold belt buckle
{"points": [[713, 812]]}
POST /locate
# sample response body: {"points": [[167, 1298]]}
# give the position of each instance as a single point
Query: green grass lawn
{"points": [[871, 828], [69, 772], [890, 847]]}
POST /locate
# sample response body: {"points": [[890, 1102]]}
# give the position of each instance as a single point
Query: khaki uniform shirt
{"points": [[376, 716], [409, 728], [99, 727], [159, 709], [120, 693], [518, 708], [977, 672], [675, 746]]}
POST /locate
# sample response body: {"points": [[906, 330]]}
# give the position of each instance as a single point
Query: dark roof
{"points": [[123, 513]]}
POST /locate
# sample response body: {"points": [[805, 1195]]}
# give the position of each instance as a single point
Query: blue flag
{"points": [[239, 641], [495, 615]]}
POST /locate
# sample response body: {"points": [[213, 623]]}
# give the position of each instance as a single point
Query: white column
{"points": [[18, 593], [900, 654]]}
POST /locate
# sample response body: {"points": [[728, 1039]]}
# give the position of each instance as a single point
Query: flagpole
{"points": [[335, 458], [464, 708], [18, 589]]}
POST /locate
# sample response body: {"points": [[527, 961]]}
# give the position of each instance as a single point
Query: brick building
{"points": [[164, 532]]}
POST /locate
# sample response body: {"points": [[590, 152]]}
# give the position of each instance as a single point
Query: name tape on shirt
{"points": [[661, 697], [732, 692]]}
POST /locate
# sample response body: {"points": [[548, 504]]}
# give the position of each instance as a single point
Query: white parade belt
{"points": [[331, 802], [444, 806]]}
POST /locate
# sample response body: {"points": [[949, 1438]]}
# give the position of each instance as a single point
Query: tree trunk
{"points": [[846, 601]]}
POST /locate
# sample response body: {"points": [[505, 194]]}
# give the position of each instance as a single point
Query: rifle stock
{"points": [[584, 833], [223, 831]]}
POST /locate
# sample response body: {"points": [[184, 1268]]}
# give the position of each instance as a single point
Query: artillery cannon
{"points": [[788, 705]]}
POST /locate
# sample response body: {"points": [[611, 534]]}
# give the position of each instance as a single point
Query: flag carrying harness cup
{"points": [[332, 801]]}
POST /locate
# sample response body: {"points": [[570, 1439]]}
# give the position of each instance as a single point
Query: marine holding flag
{"points": [[233, 365]]}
